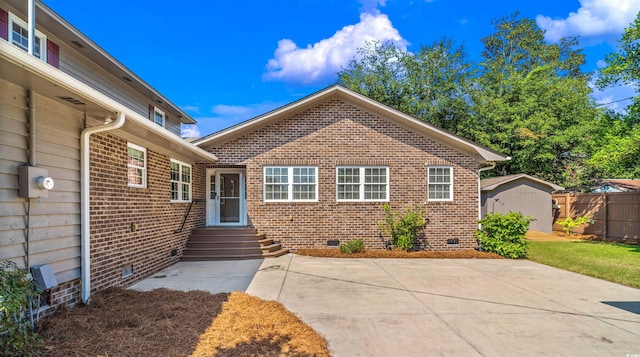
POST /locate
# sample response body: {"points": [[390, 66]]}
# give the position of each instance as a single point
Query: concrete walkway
{"points": [[427, 307]]}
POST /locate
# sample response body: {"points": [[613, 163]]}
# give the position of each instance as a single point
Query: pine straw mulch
{"points": [[164, 322], [461, 254]]}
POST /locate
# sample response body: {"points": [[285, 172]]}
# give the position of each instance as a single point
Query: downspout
{"points": [[31, 24], [85, 200], [492, 165]]}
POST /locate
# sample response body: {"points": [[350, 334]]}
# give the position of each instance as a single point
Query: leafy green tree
{"points": [[533, 102], [623, 66], [432, 84], [616, 148], [617, 153]]}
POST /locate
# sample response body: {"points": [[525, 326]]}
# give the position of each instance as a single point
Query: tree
{"points": [[532, 102], [432, 85], [617, 154], [616, 151], [623, 66]]}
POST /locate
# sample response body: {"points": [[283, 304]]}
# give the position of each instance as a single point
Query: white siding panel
{"points": [[14, 236], [88, 74], [13, 208], [55, 220], [115, 88]]}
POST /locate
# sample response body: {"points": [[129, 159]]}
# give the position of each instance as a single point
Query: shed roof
{"points": [[481, 153], [492, 183]]}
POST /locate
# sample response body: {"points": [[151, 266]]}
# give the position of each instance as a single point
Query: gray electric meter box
{"points": [[44, 277], [34, 182]]}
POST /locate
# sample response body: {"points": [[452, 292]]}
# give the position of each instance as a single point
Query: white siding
{"points": [[55, 220], [96, 77]]}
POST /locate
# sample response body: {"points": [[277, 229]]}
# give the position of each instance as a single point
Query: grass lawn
{"points": [[619, 263]]}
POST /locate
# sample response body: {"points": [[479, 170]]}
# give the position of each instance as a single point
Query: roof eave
{"points": [[19, 58], [482, 154], [92, 49]]}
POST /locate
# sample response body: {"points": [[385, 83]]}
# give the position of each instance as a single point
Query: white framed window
{"points": [[180, 181], [362, 183], [136, 166], [440, 183], [19, 36], [287, 184], [159, 117]]}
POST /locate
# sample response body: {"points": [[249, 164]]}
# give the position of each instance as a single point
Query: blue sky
{"points": [[227, 61]]}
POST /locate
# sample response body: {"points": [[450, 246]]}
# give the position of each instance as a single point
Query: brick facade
{"points": [[337, 133], [116, 208]]}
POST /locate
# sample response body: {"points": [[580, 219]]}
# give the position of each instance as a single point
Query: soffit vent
{"points": [[127, 79], [73, 100], [77, 44]]}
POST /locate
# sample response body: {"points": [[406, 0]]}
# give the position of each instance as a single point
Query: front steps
{"points": [[229, 243]]}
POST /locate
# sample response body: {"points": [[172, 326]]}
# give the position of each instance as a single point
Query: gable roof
{"points": [[481, 153], [494, 182]]}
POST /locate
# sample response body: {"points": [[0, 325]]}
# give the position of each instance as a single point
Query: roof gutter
{"points": [[85, 200], [15, 55]]}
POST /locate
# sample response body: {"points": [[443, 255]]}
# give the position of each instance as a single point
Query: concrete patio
{"points": [[425, 307]]}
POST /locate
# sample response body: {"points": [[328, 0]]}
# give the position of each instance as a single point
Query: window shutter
{"points": [[4, 24], [53, 54], [151, 112]]}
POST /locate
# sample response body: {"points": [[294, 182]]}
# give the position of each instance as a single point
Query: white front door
{"points": [[226, 203]]}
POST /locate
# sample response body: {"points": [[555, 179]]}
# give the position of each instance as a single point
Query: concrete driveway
{"points": [[427, 307]]}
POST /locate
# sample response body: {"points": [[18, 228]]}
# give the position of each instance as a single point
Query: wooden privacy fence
{"points": [[616, 215]]}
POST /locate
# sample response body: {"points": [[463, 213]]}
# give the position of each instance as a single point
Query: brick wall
{"points": [[336, 133], [115, 207]]}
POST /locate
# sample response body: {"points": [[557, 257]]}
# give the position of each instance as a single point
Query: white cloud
{"points": [[321, 61], [594, 18], [189, 131]]}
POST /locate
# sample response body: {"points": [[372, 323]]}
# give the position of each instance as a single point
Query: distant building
{"points": [[616, 185]]}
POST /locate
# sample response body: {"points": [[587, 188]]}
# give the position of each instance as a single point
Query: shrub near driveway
{"points": [[504, 234]]}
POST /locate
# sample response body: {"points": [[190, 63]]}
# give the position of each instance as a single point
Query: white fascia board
{"points": [[61, 79]]}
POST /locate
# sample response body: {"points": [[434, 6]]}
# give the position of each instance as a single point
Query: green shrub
{"points": [[569, 224], [17, 291], [403, 227], [504, 234], [352, 247]]}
